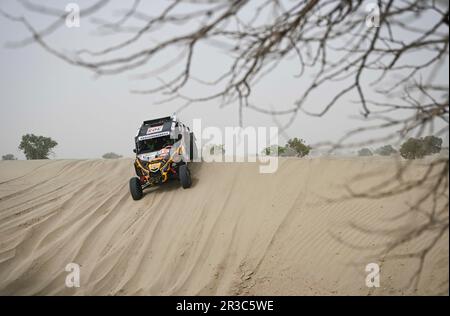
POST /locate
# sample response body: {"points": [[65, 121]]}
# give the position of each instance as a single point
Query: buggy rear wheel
{"points": [[136, 189], [185, 176]]}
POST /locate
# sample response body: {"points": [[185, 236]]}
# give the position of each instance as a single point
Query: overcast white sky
{"points": [[89, 116]]}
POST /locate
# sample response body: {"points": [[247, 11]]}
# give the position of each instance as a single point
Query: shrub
{"points": [[412, 149], [386, 150], [9, 157], [274, 150], [365, 152], [418, 148], [432, 145], [111, 156], [217, 150], [299, 146], [288, 152]]}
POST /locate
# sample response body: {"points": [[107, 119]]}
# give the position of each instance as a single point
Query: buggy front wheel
{"points": [[185, 176], [136, 189]]}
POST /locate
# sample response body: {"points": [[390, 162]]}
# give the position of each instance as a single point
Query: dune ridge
{"points": [[235, 232]]}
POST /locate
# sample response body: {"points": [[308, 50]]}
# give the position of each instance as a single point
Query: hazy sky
{"points": [[90, 116]]}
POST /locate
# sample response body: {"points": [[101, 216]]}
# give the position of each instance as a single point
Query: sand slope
{"points": [[234, 232]]}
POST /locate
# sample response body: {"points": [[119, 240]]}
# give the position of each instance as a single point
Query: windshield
{"points": [[155, 144]]}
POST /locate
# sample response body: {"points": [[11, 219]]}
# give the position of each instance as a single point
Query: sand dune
{"points": [[234, 232]]}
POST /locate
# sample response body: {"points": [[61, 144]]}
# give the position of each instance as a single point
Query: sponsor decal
{"points": [[154, 129], [154, 136], [147, 157]]}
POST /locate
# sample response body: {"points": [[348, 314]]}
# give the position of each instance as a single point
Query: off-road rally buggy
{"points": [[163, 149]]}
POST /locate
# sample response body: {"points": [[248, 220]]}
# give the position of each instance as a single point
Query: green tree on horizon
{"points": [[365, 152], [37, 147], [274, 150], [418, 148], [387, 150], [111, 156], [299, 146], [9, 157]]}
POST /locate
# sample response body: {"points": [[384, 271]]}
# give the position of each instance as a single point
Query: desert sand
{"points": [[235, 232]]}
